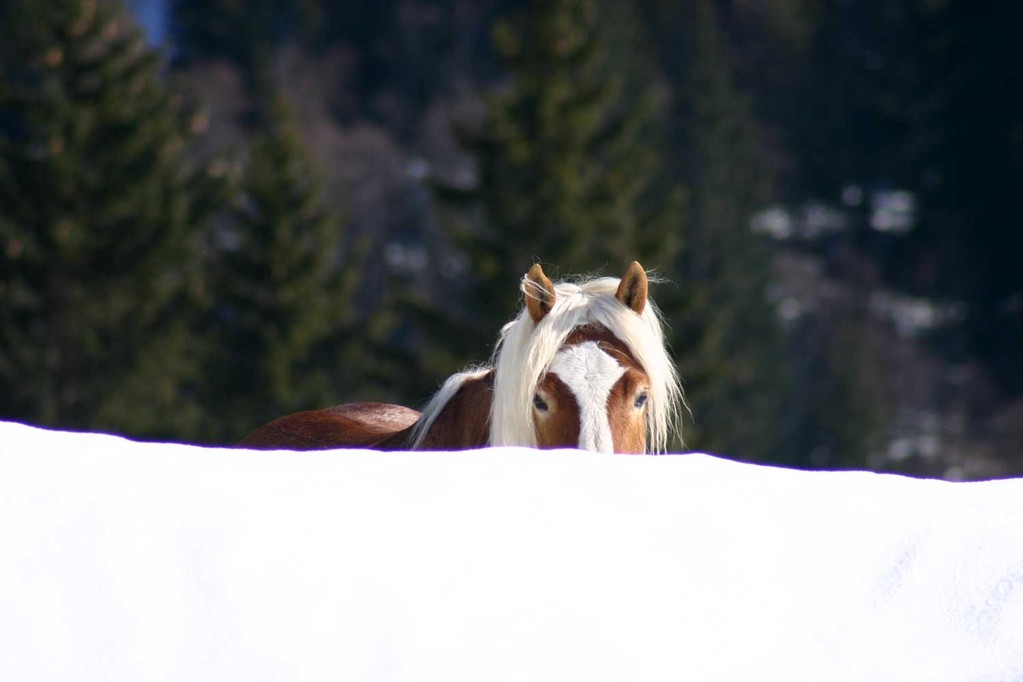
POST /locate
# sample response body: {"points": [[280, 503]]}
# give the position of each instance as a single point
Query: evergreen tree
{"points": [[568, 168], [841, 402], [99, 225], [567, 154], [725, 331], [281, 291]]}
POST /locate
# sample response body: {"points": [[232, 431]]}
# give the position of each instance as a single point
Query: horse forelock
{"points": [[525, 352]]}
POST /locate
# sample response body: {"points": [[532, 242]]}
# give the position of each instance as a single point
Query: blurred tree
{"points": [[725, 330], [283, 292], [843, 360], [100, 226], [568, 168], [568, 153]]}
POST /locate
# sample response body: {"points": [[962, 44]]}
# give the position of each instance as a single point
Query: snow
{"points": [[130, 561]]}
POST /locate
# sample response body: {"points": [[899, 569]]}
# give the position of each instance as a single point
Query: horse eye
{"points": [[641, 400], [539, 403]]}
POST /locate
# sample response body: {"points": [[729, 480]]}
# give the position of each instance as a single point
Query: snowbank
{"points": [[127, 561]]}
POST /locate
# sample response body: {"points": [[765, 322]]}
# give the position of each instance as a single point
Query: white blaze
{"points": [[590, 374]]}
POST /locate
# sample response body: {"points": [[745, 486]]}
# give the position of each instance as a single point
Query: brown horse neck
{"points": [[464, 422]]}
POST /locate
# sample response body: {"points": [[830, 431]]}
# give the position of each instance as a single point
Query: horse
{"points": [[582, 365]]}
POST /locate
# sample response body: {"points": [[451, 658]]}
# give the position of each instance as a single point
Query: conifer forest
{"points": [[217, 212]]}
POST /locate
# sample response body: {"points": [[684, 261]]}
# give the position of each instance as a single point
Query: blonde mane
{"points": [[525, 351]]}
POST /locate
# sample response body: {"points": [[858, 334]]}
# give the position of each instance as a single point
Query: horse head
{"points": [[584, 365]]}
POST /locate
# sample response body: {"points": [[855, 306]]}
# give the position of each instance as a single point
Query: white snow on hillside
{"points": [[128, 561]]}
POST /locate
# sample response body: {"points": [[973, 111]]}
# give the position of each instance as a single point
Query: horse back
{"points": [[353, 425]]}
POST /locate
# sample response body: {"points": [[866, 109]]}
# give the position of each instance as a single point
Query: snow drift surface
{"points": [[127, 561]]}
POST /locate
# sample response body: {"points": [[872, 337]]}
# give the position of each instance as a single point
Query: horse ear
{"points": [[539, 293], [632, 290]]}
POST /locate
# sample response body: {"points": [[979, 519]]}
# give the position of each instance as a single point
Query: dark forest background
{"points": [[268, 206]]}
